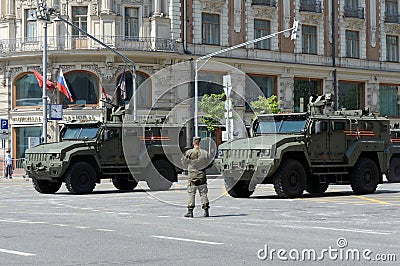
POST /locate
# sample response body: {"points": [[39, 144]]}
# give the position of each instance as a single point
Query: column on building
{"points": [[105, 6], [10, 9]]}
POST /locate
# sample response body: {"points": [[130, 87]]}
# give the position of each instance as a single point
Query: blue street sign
{"points": [[4, 124]]}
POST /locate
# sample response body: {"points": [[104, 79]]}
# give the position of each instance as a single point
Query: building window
{"points": [[84, 87], [27, 91], [262, 28], [26, 137], [31, 26], [79, 19], [131, 23], [210, 29], [143, 92], [352, 44], [352, 9], [392, 48], [303, 89], [389, 97], [392, 11], [258, 85], [351, 95], [210, 83], [309, 39]]}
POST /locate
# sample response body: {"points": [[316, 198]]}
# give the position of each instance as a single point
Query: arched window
{"points": [[143, 97], [84, 87], [27, 91]]}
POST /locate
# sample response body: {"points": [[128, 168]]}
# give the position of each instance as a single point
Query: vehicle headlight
{"points": [[264, 153], [54, 156], [220, 153]]}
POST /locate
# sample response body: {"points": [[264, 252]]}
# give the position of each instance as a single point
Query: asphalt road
{"points": [[110, 227]]}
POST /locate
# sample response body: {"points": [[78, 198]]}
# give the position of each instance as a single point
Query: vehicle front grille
{"points": [[38, 157]]}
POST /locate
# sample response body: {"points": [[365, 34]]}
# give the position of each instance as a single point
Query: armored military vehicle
{"points": [[309, 151], [89, 151]]}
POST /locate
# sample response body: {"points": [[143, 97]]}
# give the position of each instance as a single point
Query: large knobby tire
{"points": [[239, 190], [314, 186], [394, 171], [163, 178], [46, 187], [364, 176], [80, 178], [290, 179], [124, 184]]}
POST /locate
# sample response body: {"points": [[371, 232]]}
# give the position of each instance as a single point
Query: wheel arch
{"points": [[90, 160]]}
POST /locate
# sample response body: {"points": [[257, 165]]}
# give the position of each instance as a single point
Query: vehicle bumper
{"points": [[40, 171], [254, 174]]}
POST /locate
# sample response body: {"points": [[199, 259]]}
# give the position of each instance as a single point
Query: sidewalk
{"points": [[18, 175]]}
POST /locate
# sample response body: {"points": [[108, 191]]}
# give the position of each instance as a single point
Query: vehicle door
{"points": [[318, 148], [337, 140], [111, 146]]}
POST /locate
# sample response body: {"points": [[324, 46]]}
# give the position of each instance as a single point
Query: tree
{"points": [[270, 104], [213, 107]]}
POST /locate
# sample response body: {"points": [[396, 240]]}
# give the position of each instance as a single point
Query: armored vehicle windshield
{"points": [[80, 133], [285, 124]]}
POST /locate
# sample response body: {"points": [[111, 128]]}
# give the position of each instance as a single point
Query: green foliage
{"points": [[213, 107], [269, 105]]}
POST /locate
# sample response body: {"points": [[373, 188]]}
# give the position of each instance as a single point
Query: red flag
{"points": [[49, 85], [104, 92], [63, 87]]}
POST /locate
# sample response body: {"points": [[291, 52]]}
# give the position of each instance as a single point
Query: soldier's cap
{"points": [[196, 140]]}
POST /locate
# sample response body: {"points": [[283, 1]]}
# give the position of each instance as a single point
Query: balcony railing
{"points": [[60, 43], [392, 18], [354, 12], [310, 6], [271, 3]]}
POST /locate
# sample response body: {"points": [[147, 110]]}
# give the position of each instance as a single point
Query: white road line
{"points": [[62, 225], [339, 229], [16, 252], [105, 230], [163, 216], [188, 240]]}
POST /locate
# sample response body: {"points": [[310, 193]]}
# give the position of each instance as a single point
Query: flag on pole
{"points": [[104, 92], [49, 85], [63, 87], [122, 87]]}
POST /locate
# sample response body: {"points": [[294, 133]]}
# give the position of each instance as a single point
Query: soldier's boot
{"points": [[189, 214], [206, 213]]}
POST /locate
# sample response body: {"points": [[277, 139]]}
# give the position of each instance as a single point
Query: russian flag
{"points": [[63, 87]]}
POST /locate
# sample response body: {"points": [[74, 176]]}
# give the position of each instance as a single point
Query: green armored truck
{"points": [[123, 152], [309, 151]]}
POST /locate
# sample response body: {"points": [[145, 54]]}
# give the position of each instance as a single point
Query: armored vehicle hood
{"points": [[55, 147]]}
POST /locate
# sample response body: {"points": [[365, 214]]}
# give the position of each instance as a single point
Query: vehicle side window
{"points": [[339, 125]]}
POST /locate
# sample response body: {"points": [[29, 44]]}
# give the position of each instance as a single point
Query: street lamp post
{"points": [[44, 17], [294, 29]]}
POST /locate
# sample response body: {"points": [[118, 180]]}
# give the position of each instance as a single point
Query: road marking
{"points": [[188, 240], [62, 225], [339, 229], [373, 200], [163, 216], [105, 230], [16, 252]]}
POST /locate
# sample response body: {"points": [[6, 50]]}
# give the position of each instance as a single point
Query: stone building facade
{"points": [[359, 64]]}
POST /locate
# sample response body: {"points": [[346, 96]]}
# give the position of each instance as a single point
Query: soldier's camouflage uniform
{"points": [[197, 161]]}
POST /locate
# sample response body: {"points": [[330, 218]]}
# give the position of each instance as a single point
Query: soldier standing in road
{"points": [[197, 161]]}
